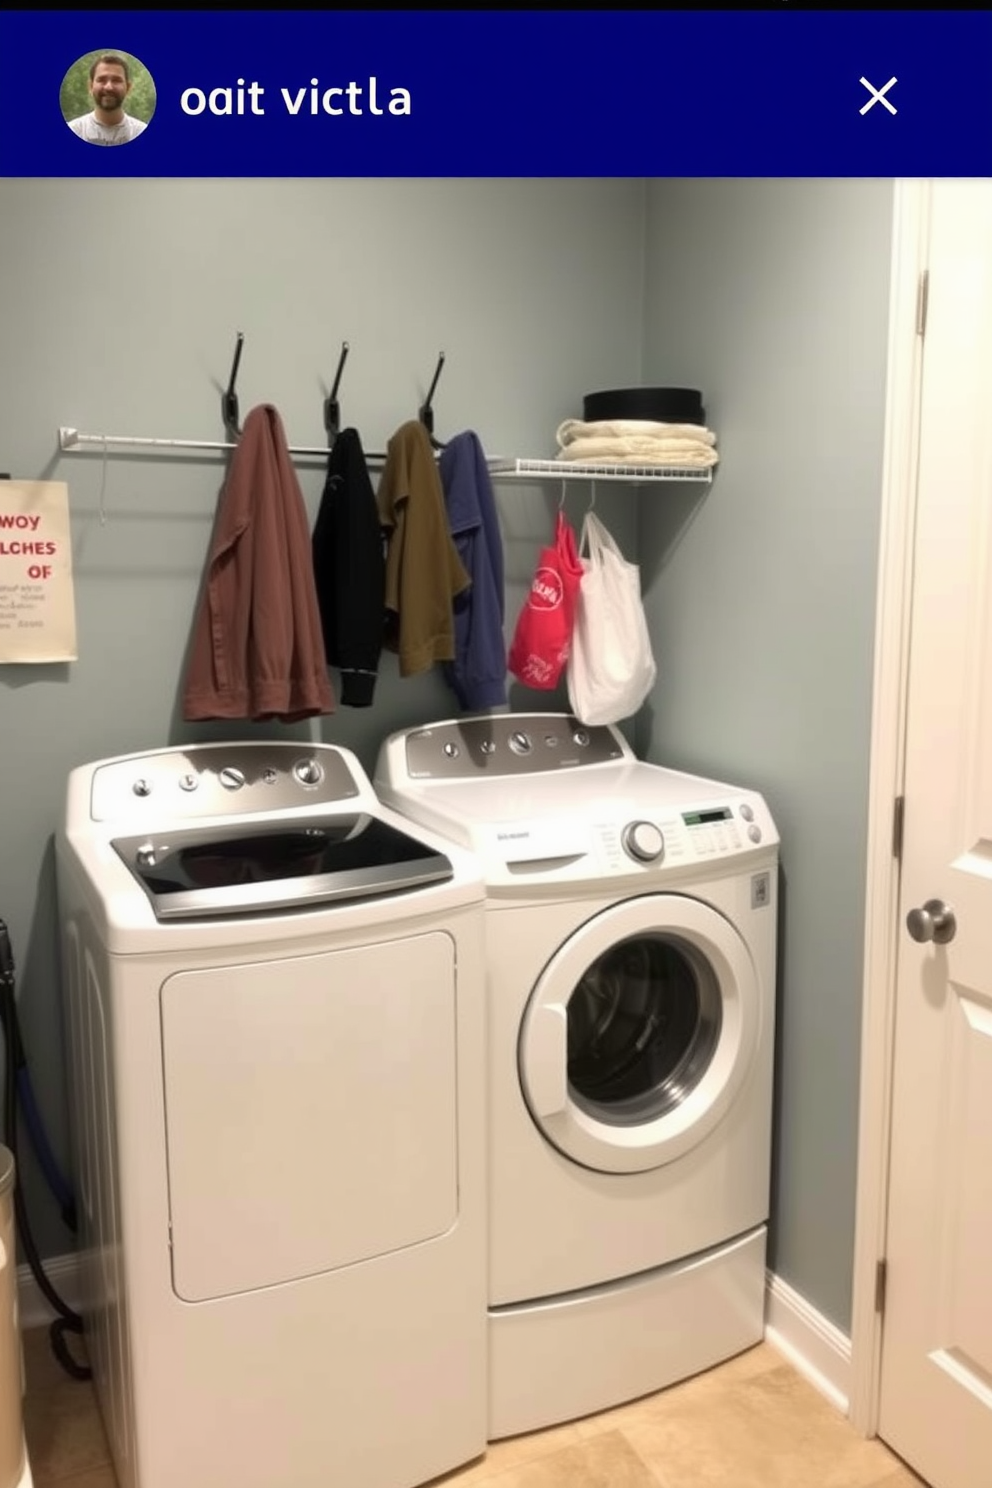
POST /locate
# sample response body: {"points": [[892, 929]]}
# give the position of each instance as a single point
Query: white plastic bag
{"points": [[611, 668]]}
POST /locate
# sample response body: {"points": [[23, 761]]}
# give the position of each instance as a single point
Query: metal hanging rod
{"points": [[73, 439]]}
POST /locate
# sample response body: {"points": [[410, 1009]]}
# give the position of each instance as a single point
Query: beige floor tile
{"points": [[64, 1431], [62, 1423], [612, 1463], [98, 1477], [606, 1462], [753, 1362], [515, 1451], [770, 1431], [901, 1478]]}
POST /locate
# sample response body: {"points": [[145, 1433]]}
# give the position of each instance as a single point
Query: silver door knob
{"points": [[935, 921]]}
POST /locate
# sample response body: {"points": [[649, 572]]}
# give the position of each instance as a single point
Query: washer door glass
{"points": [[639, 1034], [643, 1025]]}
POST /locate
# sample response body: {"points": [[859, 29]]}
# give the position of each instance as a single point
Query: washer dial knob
{"points": [[520, 742], [308, 772], [231, 778], [643, 841]]}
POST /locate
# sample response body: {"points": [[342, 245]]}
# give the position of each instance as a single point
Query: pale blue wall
{"points": [[772, 297]]}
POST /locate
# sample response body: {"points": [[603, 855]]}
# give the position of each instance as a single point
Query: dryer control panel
{"points": [[207, 780], [509, 744]]}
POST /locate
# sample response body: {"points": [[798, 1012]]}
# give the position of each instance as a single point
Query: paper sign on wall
{"points": [[37, 605]]}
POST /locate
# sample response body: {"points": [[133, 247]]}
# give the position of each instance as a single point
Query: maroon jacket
{"points": [[257, 650]]}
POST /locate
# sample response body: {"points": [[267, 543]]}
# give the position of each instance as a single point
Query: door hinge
{"points": [[898, 817], [922, 301], [881, 1272]]}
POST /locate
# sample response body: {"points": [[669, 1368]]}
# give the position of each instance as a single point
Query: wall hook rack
{"points": [[426, 413], [332, 408], [229, 400]]}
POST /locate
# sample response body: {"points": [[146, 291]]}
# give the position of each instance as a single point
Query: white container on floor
{"points": [[14, 1470]]}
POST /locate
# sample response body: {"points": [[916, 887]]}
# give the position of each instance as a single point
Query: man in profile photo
{"points": [[108, 124]]}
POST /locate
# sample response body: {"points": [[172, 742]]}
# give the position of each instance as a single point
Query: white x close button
{"points": [[878, 95]]}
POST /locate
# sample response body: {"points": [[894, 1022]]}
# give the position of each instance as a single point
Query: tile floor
{"points": [[751, 1423]]}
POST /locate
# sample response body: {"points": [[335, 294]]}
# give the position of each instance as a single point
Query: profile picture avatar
{"points": [[107, 98]]}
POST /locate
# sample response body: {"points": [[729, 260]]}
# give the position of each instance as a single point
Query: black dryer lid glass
{"points": [[198, 873]]}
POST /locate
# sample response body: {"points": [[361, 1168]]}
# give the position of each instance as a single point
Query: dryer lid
{"points": [[252, 869]]}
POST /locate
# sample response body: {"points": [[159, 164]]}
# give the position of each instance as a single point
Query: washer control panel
{"points": [[674, 838], [509, 744], [712, 831], [220, 780]]}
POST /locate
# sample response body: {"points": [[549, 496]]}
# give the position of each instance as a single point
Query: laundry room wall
{"points": [[120, 302], [772, 296]]}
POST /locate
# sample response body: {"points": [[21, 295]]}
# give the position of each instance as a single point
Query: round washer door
{"points": [[640, 1033]]}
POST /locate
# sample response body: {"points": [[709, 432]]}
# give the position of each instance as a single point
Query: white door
{"points": [[936, 1383]]}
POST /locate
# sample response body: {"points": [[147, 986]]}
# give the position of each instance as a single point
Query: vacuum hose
{"points": [[67, 1320]]}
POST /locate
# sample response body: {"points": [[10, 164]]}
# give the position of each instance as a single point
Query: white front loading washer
{"points": [[631, 952], [275, 1023]]}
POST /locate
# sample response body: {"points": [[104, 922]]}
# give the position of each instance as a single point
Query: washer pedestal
{"points": [[562, 1359]]}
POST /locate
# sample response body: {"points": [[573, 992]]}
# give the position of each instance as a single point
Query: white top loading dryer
{"points": [[274, 1011], [631, 953]]}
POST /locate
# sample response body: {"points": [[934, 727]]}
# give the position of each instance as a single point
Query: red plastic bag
{"points": [[543, 637]]}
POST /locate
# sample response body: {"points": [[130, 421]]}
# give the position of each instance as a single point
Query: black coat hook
{"points": [[229, 400], [426, 412], [332, 408]]}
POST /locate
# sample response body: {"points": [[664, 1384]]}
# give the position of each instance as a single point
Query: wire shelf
{"points": [[519, 469]]}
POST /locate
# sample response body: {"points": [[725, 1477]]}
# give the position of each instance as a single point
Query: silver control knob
{"points": [[451, 750], [145, 855], [488, 746], [581, 738], [520, 743], [935, 921], [188, 782], [231, 778], [308, 772], [142, 787], [643, 841]]}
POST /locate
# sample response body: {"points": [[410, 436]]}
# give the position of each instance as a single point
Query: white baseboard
{"points": [[812, 1344], [33, 1307]]}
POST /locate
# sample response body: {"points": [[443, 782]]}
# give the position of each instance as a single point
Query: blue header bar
{"points": [[509, 93]]}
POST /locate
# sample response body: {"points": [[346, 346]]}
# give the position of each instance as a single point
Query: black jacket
{"points": [[349, 571]]}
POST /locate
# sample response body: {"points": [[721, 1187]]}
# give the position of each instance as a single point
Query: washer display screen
{"points": [[704, 818]]}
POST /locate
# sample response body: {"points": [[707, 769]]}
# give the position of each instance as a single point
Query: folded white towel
{"points": [[689, 454], [573, 429]]}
